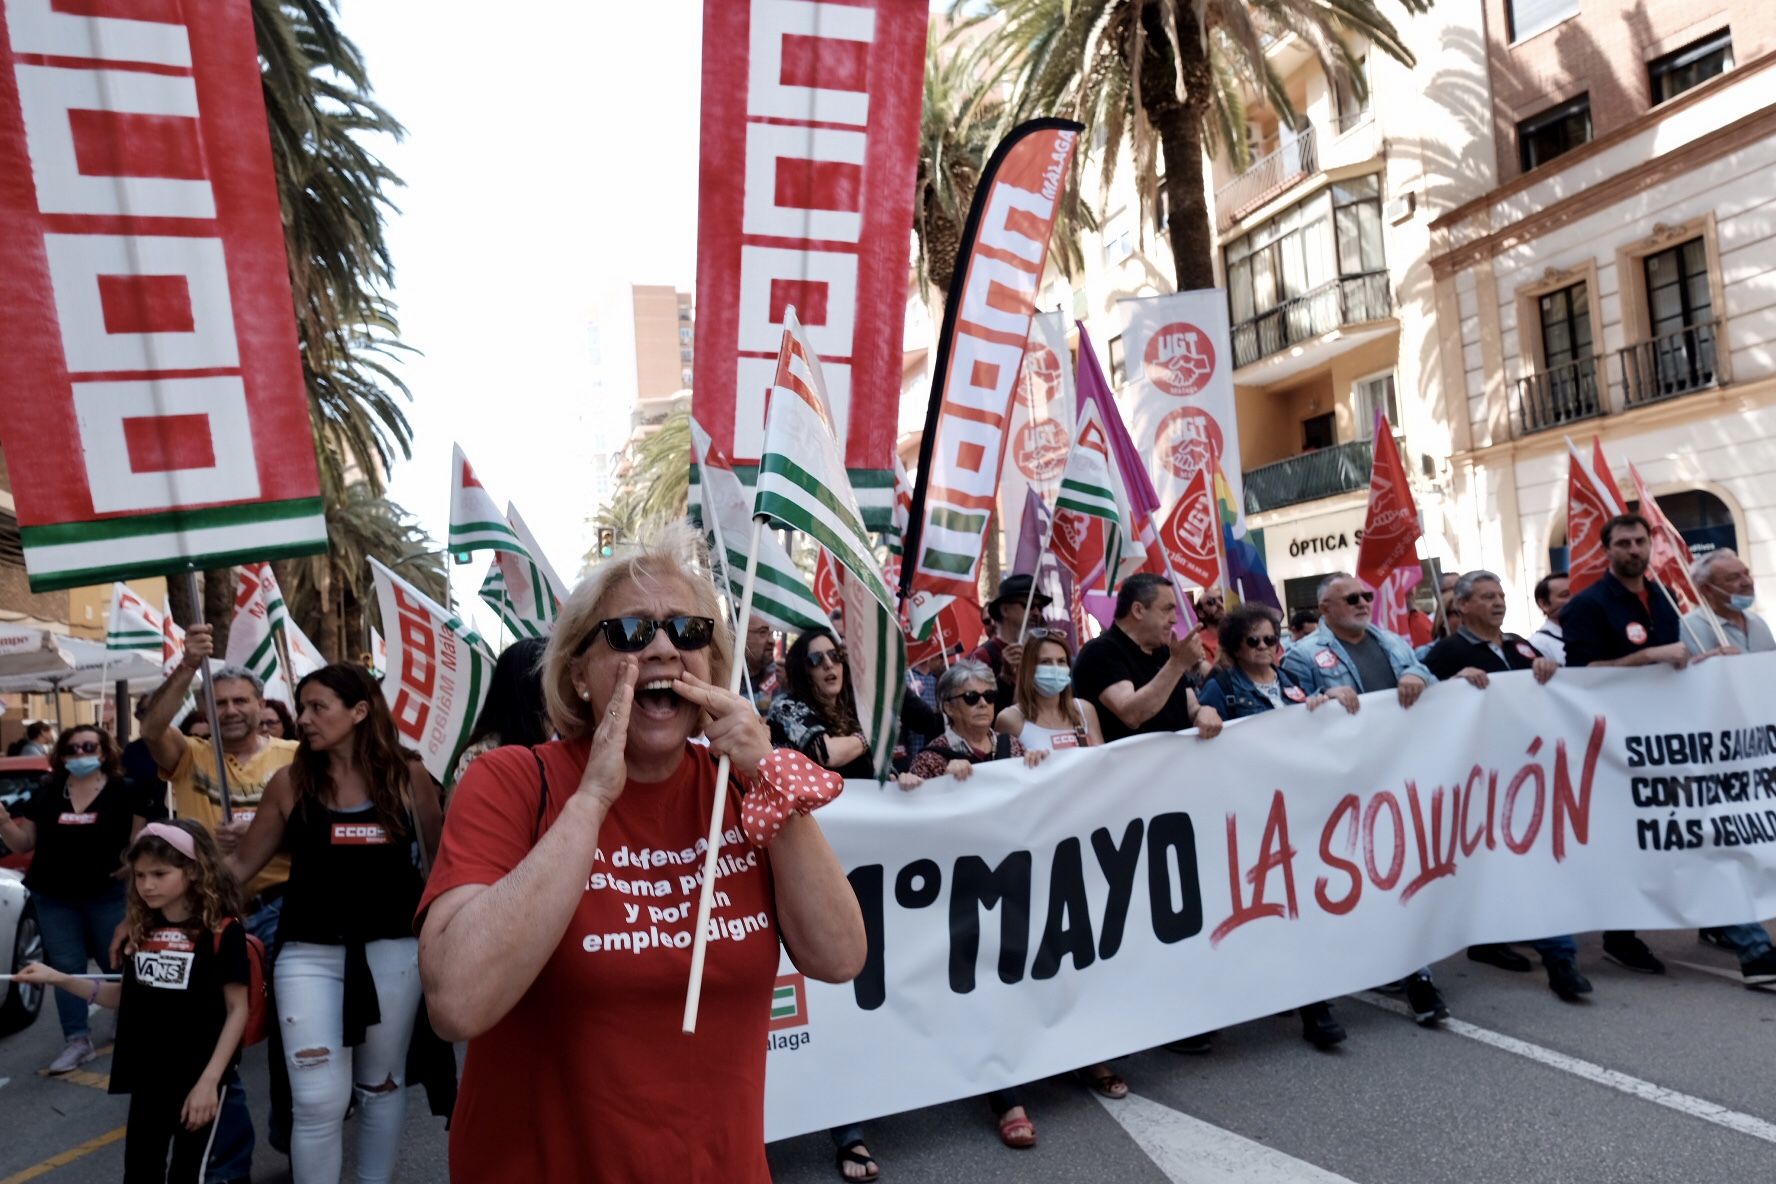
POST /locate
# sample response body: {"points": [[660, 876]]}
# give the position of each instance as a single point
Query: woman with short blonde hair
{"points": [[557, 928]]}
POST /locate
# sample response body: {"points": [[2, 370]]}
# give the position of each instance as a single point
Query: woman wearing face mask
{"points": [[79, 820], [1046, 717], [1045, 714]]}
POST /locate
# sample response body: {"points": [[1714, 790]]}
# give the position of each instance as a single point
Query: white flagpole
{"points": [[706, 899], [942, 645]]}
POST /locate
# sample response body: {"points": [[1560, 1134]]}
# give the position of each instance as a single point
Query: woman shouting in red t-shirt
{"points": [[556, 929]]}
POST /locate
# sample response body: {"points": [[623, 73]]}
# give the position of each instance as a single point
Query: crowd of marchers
{"points": [[333, 901]]}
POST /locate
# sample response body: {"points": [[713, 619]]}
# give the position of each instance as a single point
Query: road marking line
{"points": [[1737, 976], [65, 1158], [1191, 1151], [86, 1077], [1634, 1087]]}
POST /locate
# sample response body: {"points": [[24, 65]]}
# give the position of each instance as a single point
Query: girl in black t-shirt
{"points": [[182, 1004], [77, 823]]}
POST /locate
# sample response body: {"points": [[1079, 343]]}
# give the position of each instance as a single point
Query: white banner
{"points": [[1023, 924], [1178, 373]]}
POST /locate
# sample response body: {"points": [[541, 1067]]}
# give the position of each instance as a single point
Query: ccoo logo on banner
{"points": [[157, 417], [1032, 921]]}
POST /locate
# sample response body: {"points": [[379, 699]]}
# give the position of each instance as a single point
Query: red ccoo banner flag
{"points": [[809, 155], [980, 353], [1590, 502], [1392, 530], [156, 413]]}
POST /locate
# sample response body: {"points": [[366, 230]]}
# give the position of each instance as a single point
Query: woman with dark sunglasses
{"points": [[1249, 682], [556, 930], [965, 692], [818, 715], [79, 821]]}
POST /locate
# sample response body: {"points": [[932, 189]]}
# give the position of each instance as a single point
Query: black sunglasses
{"points": [[631, 635], [84, 747], [1354, 597], [972, 698], [820, 658], [1260, 643]]}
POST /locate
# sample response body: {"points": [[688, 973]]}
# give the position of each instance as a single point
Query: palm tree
{"points": [[1164, 79], [329, 594]]}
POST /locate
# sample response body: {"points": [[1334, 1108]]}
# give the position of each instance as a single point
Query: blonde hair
{"points": [[676, 552]]}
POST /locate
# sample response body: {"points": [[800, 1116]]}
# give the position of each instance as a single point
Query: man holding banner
{"points": [[1134, 672]]}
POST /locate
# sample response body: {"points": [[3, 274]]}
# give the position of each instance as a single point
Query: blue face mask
{"points": [[81, 766], [1741, 603], [1052, 680]]}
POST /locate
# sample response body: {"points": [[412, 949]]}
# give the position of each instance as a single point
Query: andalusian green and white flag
{"points": [[1091, 486], [781, 596], [802, 483], [475, 521], [495, 593], [263, 632], [132, 626], [532, 590], [438, 672]]}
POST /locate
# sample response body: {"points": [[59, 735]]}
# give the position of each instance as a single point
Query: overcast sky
{"points": [[550, 153]]}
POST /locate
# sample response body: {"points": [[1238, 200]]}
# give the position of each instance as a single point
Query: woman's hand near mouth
{"points": [[606, 771], [732, 726]]}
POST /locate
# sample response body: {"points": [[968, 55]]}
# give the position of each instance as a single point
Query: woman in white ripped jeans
{"points": [[360, 818]]}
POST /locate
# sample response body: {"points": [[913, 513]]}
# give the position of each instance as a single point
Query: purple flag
{"points": [[1091, 384], [1031, 558]]}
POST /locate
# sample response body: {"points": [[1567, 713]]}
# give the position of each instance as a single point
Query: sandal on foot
{"points": [[855, 1153], [1106, 1083], [1017, 1132]]}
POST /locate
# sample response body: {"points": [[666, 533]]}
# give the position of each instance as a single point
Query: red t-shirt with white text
{"points": [[588, 1077]]}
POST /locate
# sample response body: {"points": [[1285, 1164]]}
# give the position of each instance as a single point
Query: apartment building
{"points": [[1619, 279], [1323, 245]]}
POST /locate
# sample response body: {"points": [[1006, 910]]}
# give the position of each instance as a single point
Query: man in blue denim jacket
{"points": [[1350, 654]]}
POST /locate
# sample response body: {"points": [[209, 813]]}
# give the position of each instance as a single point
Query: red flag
{"points": [[1606, 480], [1671, 558], [826, 583], [1391, 531], [1393, 598], [1191, 535], [1078, 542], [959, 624], [1589, 504]]}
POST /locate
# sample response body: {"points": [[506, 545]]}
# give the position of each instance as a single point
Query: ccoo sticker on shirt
{"points": [[164, 959], [1527, 650], [1064, 740], [1294, 694], [1637, 633], [71, 818], [359, 834], [1326, 660]]}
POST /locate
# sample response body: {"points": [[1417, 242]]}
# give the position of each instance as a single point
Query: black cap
{"points": [[1016, 588]]}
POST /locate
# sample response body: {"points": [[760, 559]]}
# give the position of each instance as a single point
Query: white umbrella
{"points": [[28, 654]]}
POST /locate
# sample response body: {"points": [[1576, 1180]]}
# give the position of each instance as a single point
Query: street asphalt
{"points": [[1654, 1079]]}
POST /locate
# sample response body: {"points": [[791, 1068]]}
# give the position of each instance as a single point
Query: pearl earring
{"points": [[586, 695]]}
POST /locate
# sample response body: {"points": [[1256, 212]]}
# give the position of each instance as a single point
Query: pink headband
{"points": [[178, 839]]}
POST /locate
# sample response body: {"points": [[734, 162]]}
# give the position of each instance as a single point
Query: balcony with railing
{"points": [[1268, 176], [1560, 395], [1324, 472], [1350, 300], [1671, 364]]}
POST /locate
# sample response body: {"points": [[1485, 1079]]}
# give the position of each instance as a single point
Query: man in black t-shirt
{"points": [[1479, 647], [1135, 672]]}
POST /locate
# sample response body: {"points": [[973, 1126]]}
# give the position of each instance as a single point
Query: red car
{"points": [[19, 776]]}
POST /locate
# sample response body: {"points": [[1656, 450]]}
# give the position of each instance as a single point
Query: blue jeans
{"points": [[231, 1153], [74, 932], [1749, 941], [1557, 949]]}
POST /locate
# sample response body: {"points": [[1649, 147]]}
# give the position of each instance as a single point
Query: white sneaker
{"points": [[77, 1053]]}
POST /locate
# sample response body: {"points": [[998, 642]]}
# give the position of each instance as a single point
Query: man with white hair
{"points": [[1725, 583]]}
